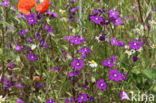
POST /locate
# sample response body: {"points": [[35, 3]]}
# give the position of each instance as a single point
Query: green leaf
{"points": [[148, 74]]}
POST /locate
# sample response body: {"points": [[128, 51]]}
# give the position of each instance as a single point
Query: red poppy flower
{"points": [[24, 6], [43, 7]]}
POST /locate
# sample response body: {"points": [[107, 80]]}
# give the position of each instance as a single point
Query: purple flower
{"points": [[115, 75], [135, 45], [73, 10], [51, 30], [22, 32], [77, 64], [31, 19], [29, 40], [118, 21], [124, 76], [82, 98], [19, 101], [124, 95], [18, 86], [32, 57], [113, 59], [39, 16], [68, 37], [43, 44], [5, 3], [102, 38], [85, 49], [96, 19], [108, 63], [52, 14], [18, 48], [11, 65], [135, 58], [121, 43], [94, 11], [50, 101], [113, 13], [101, 84], [74, 73], [114, 41], [75, 41], [91, 99], [55, 68], [3, 79]]}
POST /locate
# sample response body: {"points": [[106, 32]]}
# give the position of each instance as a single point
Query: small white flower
{"points": [[133, 51], [62, 11], [64, 19], [153, 22], [126, 47], [153, 46], [128, 52], [33, 46], [92, 64], [97, 38], [2, 99]]}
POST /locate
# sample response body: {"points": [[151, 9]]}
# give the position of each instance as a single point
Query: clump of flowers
{"points": [[110, 62]]}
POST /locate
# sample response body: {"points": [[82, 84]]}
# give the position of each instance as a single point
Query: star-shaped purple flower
{"points": [[96, 19], [101, 84], [77, 64], [115, 75], [82, 98], [135, 45], [113, 13]]}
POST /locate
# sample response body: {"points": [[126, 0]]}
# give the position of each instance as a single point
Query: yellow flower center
{"points": [[128, 52], [0, 100], [92, 62], [154, 46]]}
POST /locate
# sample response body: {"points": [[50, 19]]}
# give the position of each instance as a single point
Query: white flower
{"points": [[153, 22], [33, 46], [92, 64], [64, 19], [2, 99], [133, 51], [128, 52], [153, 46], [126, 47], [62, 11]]}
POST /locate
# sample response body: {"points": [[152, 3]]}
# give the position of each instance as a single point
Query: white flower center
{"points": [[82, 97], [77, 64], [115, 75], [135, 43], [108, 62]]}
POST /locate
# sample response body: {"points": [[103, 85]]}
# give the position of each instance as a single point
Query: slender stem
{"points": [[141, 17]]}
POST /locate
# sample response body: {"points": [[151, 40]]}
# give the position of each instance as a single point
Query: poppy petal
{"points": [[24, 6], [43, 7]]}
